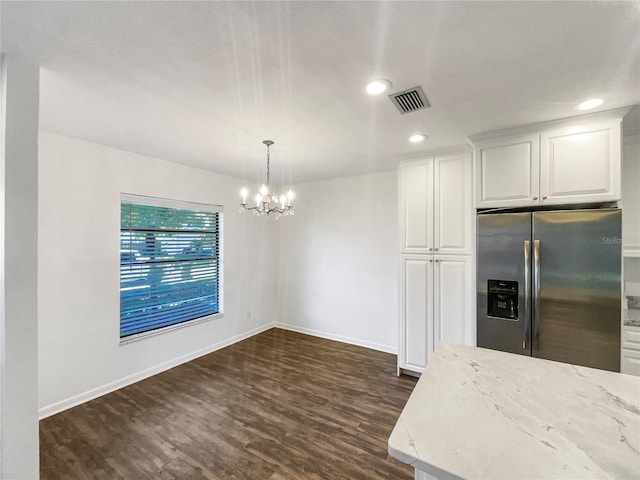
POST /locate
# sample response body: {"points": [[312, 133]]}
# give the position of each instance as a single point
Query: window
{"points": [[170, 264]]}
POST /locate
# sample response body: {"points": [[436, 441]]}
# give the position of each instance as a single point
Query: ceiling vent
{"points": [[410, 100]]}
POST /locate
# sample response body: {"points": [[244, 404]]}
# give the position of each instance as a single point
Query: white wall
{"points": [[339, 268], [18, 279], [78, 308], [631, 210], [631, 190]]}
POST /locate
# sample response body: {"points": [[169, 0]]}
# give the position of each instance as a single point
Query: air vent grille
{"points": [[410, 100]]}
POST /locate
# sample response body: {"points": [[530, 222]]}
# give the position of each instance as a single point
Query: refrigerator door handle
{"points": [[527, 276], [536, 290]]}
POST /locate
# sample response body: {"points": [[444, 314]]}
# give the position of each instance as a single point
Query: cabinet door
{"points": [[630, 337], [630, 363], [581, 163], [507, 172], [416, 311], [416, 206], [452, 304], [453, 204]]}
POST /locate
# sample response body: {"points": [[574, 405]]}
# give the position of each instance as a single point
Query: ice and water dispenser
{"points": [[503, 299]]}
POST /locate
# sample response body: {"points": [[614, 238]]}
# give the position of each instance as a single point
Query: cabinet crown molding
{"points": [[616, 113]]}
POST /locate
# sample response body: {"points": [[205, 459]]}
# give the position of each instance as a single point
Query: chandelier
{"points": [[268, 201]]}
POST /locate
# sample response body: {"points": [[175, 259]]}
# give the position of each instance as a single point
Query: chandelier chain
{"points": [[268, 164]]}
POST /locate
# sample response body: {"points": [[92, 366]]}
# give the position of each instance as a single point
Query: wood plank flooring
{"points": [[280, 405]]}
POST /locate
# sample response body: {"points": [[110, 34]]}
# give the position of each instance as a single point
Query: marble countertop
{"points": [[631, 317], [478, 413]]}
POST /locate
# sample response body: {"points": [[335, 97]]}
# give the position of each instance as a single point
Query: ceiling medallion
{"points": [[268, 201]]}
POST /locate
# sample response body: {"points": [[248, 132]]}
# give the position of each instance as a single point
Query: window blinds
{"points": [[170, 264]]}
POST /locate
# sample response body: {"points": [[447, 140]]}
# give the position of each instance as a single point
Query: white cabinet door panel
{"points": [[630, 362], [507, 172], [416, 211], [453, 204], [416, 314], [631, 337], [453, 322], [581, 164]]}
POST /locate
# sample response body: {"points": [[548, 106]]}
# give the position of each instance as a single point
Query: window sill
{"points": [[160, 331]]}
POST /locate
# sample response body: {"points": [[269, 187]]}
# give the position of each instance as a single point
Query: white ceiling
{"points": [[203, 83]]}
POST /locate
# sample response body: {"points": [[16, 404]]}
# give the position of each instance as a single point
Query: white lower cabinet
{"points": [[452, 300], [435, 305], [630, 363], [416, 311]]}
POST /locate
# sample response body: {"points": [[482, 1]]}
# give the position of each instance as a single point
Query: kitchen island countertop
{"points": [[478, 413]]}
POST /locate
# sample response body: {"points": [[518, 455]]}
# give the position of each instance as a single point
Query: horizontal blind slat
{"points": [[166, 318], [163, 315]]}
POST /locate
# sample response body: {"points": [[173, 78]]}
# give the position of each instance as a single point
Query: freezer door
{"points": [[576, 287], [503, 282]]}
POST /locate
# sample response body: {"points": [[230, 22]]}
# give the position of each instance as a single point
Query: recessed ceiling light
{"points": [[589, 104], [417, 138], [376, 87]]}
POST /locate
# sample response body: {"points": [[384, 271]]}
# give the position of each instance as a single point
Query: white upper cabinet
{"points": [[580, 164], [453, 204], [436, 205], [507, 172], [416, 211], [569, 161]]}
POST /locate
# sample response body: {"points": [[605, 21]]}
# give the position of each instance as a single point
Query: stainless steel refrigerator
{"points": [[549, 285]]}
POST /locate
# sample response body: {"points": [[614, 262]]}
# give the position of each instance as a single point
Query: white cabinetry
{"points": [[453, 299], [436, 265], [416, 311], [507, 172], [453, 205], [416, 206], [436, 205], [562, 162], [581, 163], [435, 305], [630, 363]]}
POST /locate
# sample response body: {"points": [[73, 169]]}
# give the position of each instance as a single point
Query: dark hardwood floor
{"points": [[280, 405]]}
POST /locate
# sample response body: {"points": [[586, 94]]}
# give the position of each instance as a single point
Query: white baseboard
{"points": [[75, 400], [338, 338]]}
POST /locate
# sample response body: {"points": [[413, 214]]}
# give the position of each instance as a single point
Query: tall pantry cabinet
{"points": [[436, 257]]}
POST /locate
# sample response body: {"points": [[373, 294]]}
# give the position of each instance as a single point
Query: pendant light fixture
{"points": [[268, 201]]}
